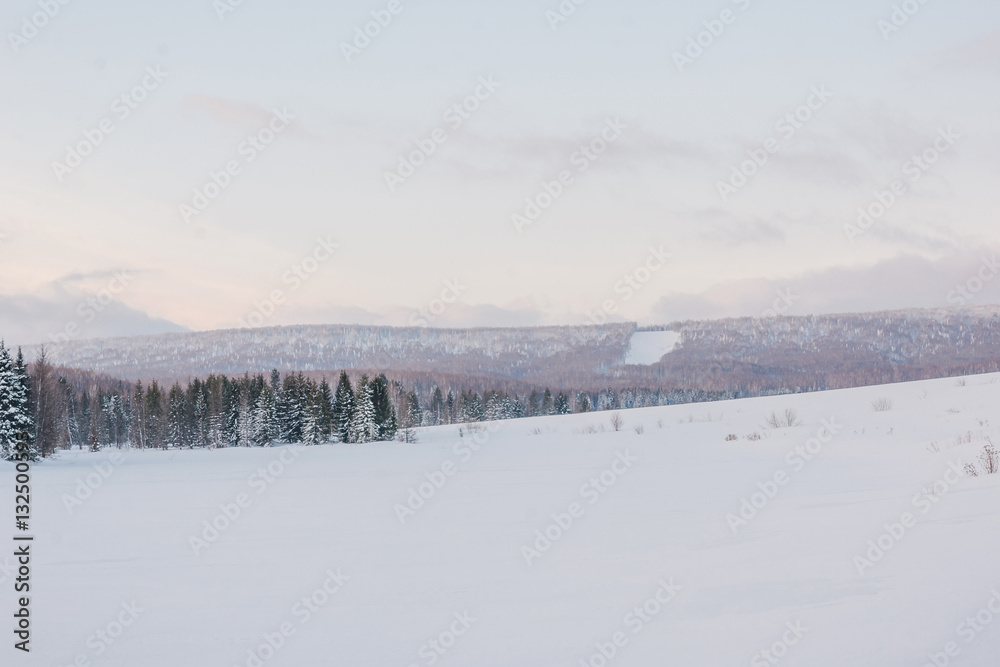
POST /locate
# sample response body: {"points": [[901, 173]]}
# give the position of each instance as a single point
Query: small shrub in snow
{"points": [[787, 420], [882, 404], [990, 459], [731, 437], [753, 437], [639, 429], [617, 422]]}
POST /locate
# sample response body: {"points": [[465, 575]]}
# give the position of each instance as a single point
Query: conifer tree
{"points": [[264, 428], [16, 427], [326, 422], [363, 427], [548, 406], [438, 408], [385, 415], [343, 407]]}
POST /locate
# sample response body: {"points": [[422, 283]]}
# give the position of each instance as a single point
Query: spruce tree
{"points": [[263, 429], [438, 408], [363, 427], [175, 418], [326, 421], [343, 407], [15, 407], [548, 407], [385, 414]]}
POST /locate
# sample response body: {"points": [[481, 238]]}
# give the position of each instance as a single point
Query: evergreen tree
{"points": [[385, 415], [548, 406], [154, 415], [363, 427], [264, 422], [534, 403], [343, 407], [312, 415], [438, 408], [562, 404], [291, 409], [15, 407], [326, 422], [452, 406], [200, 423]]}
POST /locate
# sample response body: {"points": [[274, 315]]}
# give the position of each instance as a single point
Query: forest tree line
{"points": [[58, 408]]}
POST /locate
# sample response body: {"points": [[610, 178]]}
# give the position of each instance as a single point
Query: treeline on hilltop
{"points": [[59, 408]]}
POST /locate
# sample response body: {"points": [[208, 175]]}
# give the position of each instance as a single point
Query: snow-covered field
{"points": [[645, 568]]}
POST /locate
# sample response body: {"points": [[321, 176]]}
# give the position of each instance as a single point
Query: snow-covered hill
{"points": [[511, 352], [847, 539]]}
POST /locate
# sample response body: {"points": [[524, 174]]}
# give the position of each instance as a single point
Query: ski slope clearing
{"points": [[846, 539], [648, 347]]}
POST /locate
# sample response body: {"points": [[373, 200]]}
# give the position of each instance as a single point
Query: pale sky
{"points": [[196, 86]]}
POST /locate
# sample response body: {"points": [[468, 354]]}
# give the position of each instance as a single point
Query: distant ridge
{"points": [[748, 355]]}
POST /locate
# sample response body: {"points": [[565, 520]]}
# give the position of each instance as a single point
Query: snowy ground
{"points": [[648, 347], [453, 585]]}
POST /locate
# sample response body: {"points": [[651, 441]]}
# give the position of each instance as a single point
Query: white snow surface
{"points": [[648, 347], [663, 519]]}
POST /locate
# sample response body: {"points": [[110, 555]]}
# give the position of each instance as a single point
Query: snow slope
{"points": [[648, 347], [455, 572]]}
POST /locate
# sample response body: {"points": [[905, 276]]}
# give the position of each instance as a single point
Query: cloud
{"points": [[29, 320], [980, 54], [734, 234], [904, 281]]}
